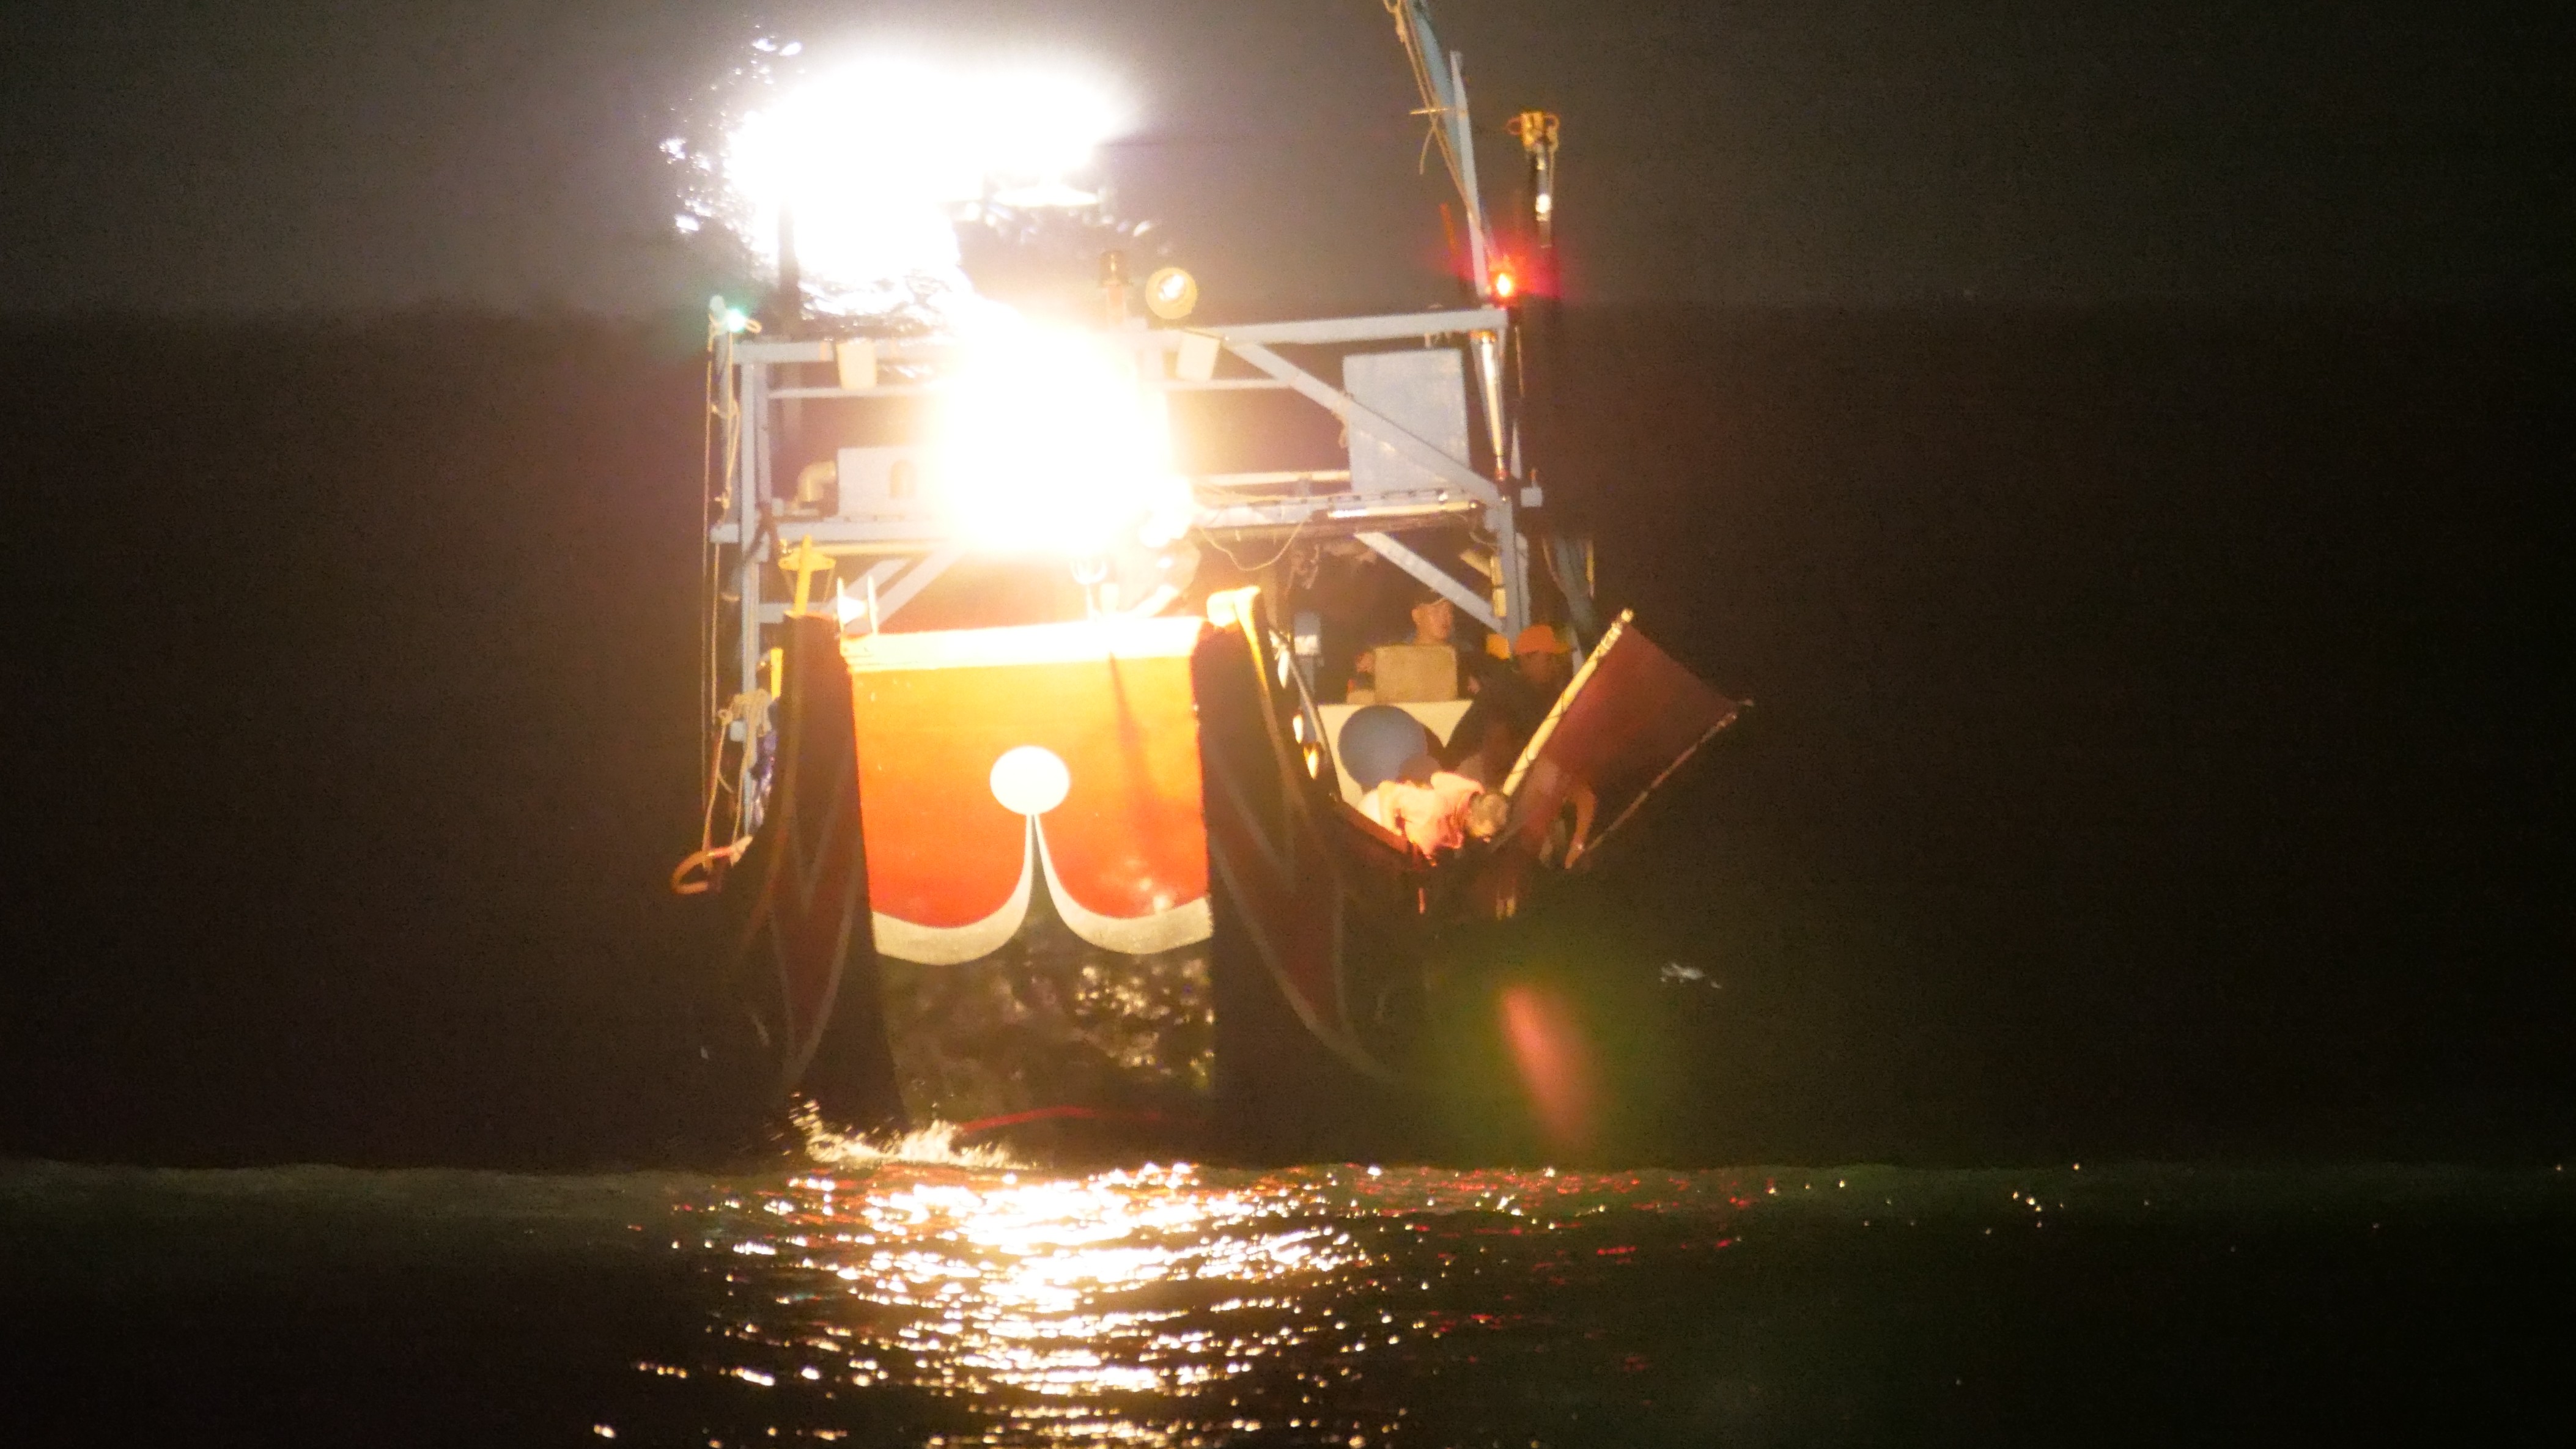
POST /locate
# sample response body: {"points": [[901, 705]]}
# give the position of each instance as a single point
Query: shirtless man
{"points": [[1434, 810]]}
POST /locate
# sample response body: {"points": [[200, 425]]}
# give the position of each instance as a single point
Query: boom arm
{"points": [[1440, 76]]}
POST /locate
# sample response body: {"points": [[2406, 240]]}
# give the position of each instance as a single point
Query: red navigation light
{"points": [[1505, 284]]}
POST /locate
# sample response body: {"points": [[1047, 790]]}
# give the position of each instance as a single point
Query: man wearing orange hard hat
{"points": [[1508, 709], [1545, 659]]}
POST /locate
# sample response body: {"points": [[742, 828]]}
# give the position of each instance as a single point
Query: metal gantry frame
{"points": [[754, 530], [760, 376]]}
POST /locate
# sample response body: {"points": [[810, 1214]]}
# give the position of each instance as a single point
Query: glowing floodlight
{"points": [[874, 161], [1048, 444], [1171, 294], [1047, 195]]}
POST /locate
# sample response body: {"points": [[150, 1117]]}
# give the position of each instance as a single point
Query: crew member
{"points": [[1435, 621], [1434, 809], [1510, 705], [1545, 659], [1435, 625]]}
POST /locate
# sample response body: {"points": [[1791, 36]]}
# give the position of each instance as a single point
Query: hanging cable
{"points": [[708, 853], [1285, 545]]}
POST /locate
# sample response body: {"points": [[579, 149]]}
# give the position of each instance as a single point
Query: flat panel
{"points": [[1416, 673], [1421, 390], [952, 844], [1631, 715], [884, 483]]}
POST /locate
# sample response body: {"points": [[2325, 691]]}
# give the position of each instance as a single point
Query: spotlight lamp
{"points": [[1171, 294]]}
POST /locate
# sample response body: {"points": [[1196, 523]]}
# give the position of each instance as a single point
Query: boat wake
{"points": [[934, 1144]]}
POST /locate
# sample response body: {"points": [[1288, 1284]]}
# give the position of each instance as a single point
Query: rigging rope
{"points": [[1285, 545], [749, 709], [719, 448]]}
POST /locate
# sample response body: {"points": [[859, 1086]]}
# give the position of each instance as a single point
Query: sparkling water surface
{"points": [[932, 1296]]}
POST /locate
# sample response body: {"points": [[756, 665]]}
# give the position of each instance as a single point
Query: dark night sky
{"points": [[165, 156]]}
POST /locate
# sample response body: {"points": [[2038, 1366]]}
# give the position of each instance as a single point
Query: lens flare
{"points": [[1555, 1063]]}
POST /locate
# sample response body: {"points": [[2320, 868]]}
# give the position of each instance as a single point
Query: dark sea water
{"points": [[864, 1300]]}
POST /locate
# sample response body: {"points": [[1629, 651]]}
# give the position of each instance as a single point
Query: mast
{"points": [[1440, 77]]}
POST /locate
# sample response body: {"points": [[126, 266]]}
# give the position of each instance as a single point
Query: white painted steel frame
{"points": [[1467, 494]]}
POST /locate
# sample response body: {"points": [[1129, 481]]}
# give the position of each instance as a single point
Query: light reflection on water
{"points": [[879, 1300], [874, 1300], [1161, 1305]]}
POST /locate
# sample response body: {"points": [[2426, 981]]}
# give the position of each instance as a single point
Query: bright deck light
{"points": [[1048, 444], [1171, 294], [874, 161]]}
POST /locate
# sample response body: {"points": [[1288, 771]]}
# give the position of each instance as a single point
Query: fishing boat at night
{"points": [[1039, 803]]}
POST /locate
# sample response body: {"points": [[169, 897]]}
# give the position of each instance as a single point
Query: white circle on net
{"points": [[1030, 780]]}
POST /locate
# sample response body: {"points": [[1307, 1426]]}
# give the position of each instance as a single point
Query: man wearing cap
{"points": [[1435, 626]]}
